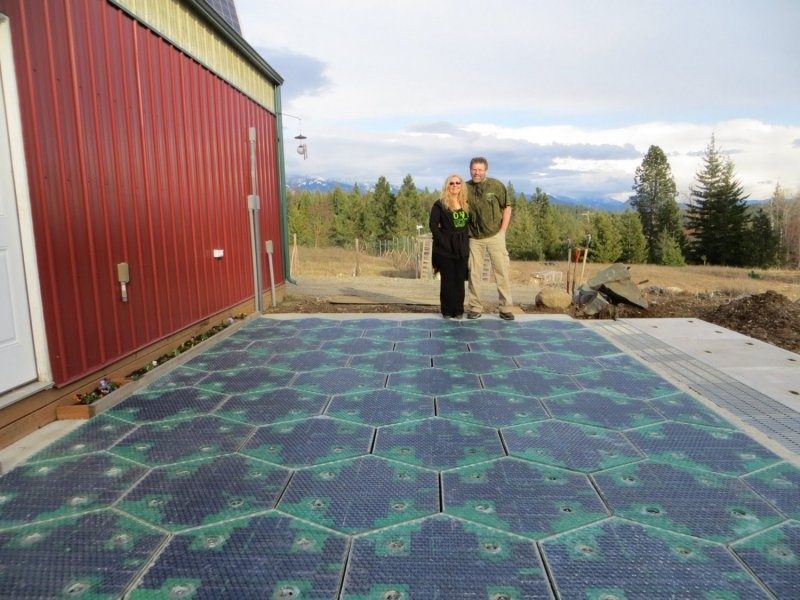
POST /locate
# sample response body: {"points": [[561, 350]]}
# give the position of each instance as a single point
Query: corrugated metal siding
{"points": [[175, 21], [136, 154]]}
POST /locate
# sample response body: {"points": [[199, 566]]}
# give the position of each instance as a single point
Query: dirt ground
{"points": [[762, 304]]}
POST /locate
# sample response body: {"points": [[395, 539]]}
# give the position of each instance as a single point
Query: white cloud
{"points": [[567, 95]]}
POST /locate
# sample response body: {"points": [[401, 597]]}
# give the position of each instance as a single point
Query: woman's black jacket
{"points": [[448, 240]]}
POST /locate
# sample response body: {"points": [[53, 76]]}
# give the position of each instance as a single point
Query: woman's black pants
{"points": [[453, 272]]}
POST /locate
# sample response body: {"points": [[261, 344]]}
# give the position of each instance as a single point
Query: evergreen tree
{"points": [[545, 226], [764, 241], [346, 218], [521, 239], [669, 251], [409, 209], [717, 217], [380, 212], [654, 200], [634, 244], [606, 239]]}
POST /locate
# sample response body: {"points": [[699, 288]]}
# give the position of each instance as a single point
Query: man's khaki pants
{"points": [[496, 247]]}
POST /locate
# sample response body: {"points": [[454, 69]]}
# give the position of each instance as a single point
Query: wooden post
{"points": [[356, 270]]}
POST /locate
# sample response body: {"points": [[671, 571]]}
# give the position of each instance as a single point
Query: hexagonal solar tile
{"points": [[178, 378], [273, 406], [309, 442], [203, 492], [266, 556], [98, 433], [492, 409], [463, 334], [602, 410], [586, 344], [370, 324], [230, 344], [322, 334], [558, 362], [621, 362], [431, 347], [265, 334], [96, 555], [397, 334], [619, 559], [626, 383], [278, 345], [682, 407], [381, 407], [389, 362], [529, 383], [780, 485], [505, 347], [563, 326], [339, 381], [362, 494], [473, 362], [311, 323], [774, 556], [426, 323], [353, 346], [228, 361], [63, 488], [438, 443], [433, 382], [569, 445], [442, 557], [308, 360], [180, 403], [521, 497], [177, 441], [245, 381], [699, 447], [705, 505]]}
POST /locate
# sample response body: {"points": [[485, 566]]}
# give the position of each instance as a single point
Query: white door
{"points": [[17, 358]]}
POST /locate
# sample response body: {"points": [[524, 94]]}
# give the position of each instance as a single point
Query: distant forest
{"points": [[719, 227]]}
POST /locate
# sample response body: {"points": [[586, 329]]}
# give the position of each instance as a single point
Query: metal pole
{"points": [[253, 204]]}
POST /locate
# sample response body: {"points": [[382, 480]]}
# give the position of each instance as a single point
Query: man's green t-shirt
{"points": [[487, 200]]}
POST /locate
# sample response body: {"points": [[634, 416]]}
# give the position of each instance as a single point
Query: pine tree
{"points": [[380, 212], [634, 244], [346, 218], [409, 209], [764, 241], [717, 217], [669, 251], [545, 226], [521, 238], [606, 239], [654, 200]]}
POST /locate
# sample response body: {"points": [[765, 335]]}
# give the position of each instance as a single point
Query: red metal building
{"points": [[124, 140]]}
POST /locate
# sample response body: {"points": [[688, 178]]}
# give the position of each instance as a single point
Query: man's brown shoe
{"points": [[507, 316]]}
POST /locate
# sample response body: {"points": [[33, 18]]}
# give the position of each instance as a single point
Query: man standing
{"points": [[489, 215]]}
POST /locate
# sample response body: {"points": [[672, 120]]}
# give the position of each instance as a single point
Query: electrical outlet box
{"points": [[218, 252]]}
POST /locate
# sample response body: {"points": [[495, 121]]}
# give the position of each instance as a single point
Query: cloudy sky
{"points": [[565, 95]]}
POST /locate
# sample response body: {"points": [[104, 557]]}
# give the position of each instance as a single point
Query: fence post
{"points": [[356, 270]]}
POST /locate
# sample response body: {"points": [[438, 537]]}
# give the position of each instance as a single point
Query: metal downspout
{"points": [[282, 192]]}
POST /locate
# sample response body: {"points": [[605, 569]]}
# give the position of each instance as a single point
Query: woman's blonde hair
{"points": [[447, 199]]}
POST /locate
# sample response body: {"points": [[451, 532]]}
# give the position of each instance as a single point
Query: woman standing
{"points": [[448, 224]]}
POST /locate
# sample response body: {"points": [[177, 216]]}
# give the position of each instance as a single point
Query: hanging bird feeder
{"points": [[302, 147]]}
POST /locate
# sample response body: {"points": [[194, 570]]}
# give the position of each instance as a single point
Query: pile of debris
{"points": [[608, 288]]}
